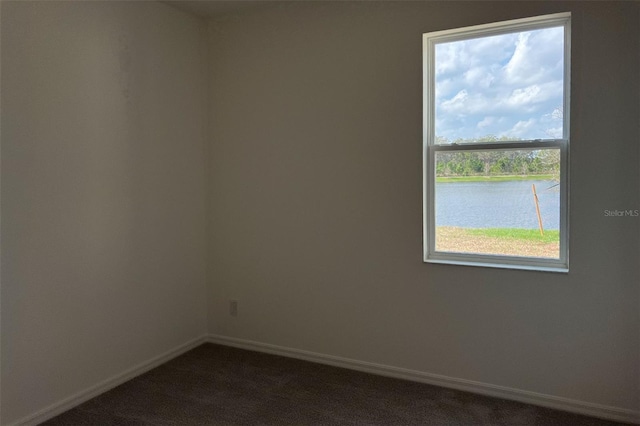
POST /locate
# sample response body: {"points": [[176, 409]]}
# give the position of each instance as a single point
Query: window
{"points": [[496, 144]]}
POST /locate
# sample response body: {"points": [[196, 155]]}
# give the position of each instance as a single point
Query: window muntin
{"points": [[481, 87]]}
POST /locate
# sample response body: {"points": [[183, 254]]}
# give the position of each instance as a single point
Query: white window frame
{"points": [[430, 148]]}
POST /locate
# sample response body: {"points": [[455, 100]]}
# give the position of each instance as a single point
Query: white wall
{"points": [[315, 222], [315, 198], [103, 193]]}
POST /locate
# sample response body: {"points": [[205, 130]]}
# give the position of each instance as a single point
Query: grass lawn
{"points": [[505, 241], [531, 235]]}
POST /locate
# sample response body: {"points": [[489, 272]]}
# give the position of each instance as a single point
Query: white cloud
{"points": [[445, 86], [457, 103], [504, 84], [448, 57], [554, 132], [521, 129], [479, 77], [486, 122], [526, 100], [519, 65], [538, 56], [464, 103], [526, 96]]}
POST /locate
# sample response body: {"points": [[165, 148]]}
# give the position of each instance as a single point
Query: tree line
{"points": [[496, 162]]}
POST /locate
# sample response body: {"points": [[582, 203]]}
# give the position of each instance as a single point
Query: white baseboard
{"points": [[93, 391], [534, 398], [559, 403]]}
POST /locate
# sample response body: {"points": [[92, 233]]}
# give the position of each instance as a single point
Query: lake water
{"points": [[497, 204]]}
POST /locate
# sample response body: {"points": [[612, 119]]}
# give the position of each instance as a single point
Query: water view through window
{"points": [[485, 202], [496, 137]]}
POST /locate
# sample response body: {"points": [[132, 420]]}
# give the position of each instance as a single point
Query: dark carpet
{"points": [[218, 385]]}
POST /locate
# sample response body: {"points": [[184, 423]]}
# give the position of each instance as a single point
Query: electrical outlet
{"points": [[233, 308]]}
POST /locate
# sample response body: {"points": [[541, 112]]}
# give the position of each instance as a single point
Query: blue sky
{"points": [[505, 85]]}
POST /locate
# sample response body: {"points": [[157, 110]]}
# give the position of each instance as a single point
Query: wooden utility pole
{"points": [[535, 199]]}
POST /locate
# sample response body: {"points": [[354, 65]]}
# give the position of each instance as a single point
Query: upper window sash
{"points": [[431, 40]]}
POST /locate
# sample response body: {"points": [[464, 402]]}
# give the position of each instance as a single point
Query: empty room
{"points": [[319, 212]]}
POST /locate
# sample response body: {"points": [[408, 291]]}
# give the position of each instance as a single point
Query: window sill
{"points": [[500, 263]]}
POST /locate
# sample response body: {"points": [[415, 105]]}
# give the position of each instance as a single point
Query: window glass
{"points": [[504, 202], [496, 144], [508, 86]]}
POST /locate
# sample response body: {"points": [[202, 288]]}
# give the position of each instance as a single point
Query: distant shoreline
{"points": [[498, 178]]}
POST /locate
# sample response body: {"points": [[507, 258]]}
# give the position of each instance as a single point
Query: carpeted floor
{"points": [[218, 385]]}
